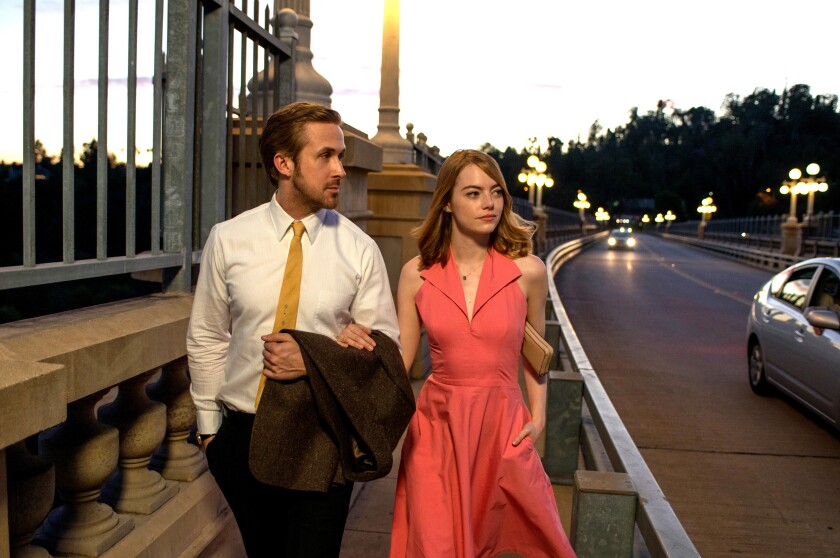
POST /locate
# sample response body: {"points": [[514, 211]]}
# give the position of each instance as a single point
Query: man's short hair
{"points": [[284, 132]]}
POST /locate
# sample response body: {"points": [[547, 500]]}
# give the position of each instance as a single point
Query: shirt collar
{"points": [[282, 221]]}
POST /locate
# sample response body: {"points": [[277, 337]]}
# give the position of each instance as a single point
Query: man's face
{"points": [[317, 175]]}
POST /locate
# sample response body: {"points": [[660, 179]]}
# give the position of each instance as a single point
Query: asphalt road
{"points": [[664, 328]]}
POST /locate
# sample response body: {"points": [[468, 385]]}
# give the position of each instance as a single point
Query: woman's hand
{"points": [[531, 429], [355, 335]]}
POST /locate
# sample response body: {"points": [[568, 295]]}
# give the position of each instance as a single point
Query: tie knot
{"points": [[298, 228]]}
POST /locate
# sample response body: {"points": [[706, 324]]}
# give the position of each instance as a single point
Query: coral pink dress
{"points": [[464, 491]]}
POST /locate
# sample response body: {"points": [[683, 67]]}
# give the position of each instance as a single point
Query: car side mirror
{"points": [[822, 318]]}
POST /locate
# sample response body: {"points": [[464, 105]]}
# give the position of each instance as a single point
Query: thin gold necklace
{"points": [[465, 275]]}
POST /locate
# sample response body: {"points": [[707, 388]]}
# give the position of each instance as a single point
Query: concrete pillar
{"points": [[310, 86], [396, 148], [176, 459], [541, 238], [399, 197], [141, 422], [562, 425], [85, 453], [31, 482], [791, 237], [362, 157], [603, 515]]}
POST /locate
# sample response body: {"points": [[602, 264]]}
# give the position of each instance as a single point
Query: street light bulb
{"points": [[532, 179], [540, 180], [785, 190], [533, 160], [523, 177], [795, 174], [813, 169], [581, 196], [541, 166], [822, 187], [549, 182]]}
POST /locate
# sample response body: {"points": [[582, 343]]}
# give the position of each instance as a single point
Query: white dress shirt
{"points": [[343, 281]]}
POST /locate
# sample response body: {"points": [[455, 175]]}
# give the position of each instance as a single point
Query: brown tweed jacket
{"points": [[340, 422]]}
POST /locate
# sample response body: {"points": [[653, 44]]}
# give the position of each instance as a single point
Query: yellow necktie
{"points": [[287, 304]]}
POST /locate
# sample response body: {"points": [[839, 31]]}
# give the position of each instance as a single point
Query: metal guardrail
{"points": [[612, 447], [753, 256]]}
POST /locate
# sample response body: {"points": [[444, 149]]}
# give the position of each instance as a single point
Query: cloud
{"points": [[142, 82]]}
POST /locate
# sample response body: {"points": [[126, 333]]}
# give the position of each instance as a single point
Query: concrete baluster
{"points": [[175, 458], [31, 482], [603, 515], [85, 453], [141, 422]]}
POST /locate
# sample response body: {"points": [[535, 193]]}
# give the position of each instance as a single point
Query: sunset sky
{"points": [[472, 71]]}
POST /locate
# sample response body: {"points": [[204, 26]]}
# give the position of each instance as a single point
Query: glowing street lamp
{"points": [[645, 218], [581, 204], [808, 185], [706, 208], [669, 217], [659, 219], [534, 178], [601, 215]]}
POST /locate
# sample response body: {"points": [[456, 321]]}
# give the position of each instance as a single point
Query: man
{"points": [[232, 344]]}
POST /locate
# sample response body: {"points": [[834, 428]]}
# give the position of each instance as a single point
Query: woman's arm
{"points": [[534, 284], [407, 316]]}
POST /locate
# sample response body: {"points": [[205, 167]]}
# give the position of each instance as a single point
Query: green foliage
{"points": [[677, 157]]}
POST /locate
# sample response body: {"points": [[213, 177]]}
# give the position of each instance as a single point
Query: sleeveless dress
{"points": [[463, 490]]}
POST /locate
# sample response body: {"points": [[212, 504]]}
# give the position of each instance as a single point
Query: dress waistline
{"points": [[472, 382]]}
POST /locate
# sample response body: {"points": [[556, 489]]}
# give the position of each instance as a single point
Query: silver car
{"points": [[793, 336]]}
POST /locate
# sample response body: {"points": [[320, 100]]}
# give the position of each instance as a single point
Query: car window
{"points": [[827, 291], [796, 287]]}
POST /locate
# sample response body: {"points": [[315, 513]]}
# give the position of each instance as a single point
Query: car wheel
{"points": [[758, 379]]}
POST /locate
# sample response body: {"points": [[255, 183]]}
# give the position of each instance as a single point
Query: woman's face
{"points": [[476, 202]]}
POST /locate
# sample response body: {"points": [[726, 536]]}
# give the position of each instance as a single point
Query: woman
{"points": [[471, 483]]}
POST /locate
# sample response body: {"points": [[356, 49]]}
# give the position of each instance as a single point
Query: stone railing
{"points": [[96, 410]]}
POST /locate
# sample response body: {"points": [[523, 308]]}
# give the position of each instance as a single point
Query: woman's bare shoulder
{"points": [[411, 271], [531, 266]]}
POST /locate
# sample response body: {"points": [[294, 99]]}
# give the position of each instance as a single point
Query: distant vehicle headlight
{"points": [[611, 241], [631, 242]]}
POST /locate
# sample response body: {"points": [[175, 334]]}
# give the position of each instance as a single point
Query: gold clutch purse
{"points": [[536, 350]]}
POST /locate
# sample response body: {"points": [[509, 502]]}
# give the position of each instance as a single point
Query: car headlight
{"points": [[611, 241], [631, 242]]}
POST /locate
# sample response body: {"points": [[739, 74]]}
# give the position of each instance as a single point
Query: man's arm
{"points": [[208, 336], [373, 305]]}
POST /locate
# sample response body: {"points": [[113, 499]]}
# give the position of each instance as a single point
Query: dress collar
{"points": [[498, 272]]}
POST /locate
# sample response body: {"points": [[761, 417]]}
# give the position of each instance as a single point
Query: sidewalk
{"points": [[368, 530]]}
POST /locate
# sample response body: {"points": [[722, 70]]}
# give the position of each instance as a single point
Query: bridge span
{"points": [[664, 328]]}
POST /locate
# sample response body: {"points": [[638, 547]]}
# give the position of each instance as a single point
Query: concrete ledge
{"points": [[101, 346], [362, 153], [32, 398]]}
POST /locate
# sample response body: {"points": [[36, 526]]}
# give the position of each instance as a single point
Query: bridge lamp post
{"points": [[534, 178], [582, 205], [814, 185], [602, 216], [793, 187], [669, 217], [659, 219], [705, 209]]}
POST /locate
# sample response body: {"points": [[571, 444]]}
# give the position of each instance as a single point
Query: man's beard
{"points": [[300, 186]]}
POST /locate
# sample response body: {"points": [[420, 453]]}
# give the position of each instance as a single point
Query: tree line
{"points": [[670, 158], [32, 301]]}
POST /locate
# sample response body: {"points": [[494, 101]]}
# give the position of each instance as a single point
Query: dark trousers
{"points": [[274, 522]]}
